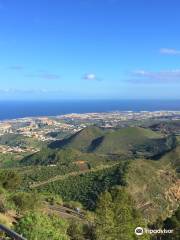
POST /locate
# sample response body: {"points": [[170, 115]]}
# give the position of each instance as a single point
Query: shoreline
{"points": [[166, 113]]}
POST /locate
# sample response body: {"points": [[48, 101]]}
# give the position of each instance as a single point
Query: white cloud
{"points": [[169, 51], [170, 76], [90, 76]]}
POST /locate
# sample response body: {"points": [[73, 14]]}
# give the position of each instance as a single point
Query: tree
{"points": [[116, 217], [38, 226], [105, 224], [76, 230], [172, 223]]}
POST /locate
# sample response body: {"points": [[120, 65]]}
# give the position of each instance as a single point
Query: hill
{"points": [[80, 140], [14, 140], [154, 186], [95, 159], [131, 141], [124, 143]]}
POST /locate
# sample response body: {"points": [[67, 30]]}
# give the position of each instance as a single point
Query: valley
{"points": [[76, 176]]}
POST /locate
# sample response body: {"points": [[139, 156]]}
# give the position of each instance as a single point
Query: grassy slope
{"points": [[80, 140], [17, 139], [102, 142], [154, 185], [123, 140]]}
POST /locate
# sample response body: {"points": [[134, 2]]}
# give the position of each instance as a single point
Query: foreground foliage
{"points": [[38, 226], [116, 217]]}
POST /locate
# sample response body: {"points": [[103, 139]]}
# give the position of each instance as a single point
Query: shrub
{"points": [[37, 226], [26, 201], [54, 199], [9, 179], [73, 205]]}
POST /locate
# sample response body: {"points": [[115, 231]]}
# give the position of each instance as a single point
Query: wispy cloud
{"points": [[16, 67], [91, 77], [46, 76], [142, 76], [49, 76], [29, 91], [169, 51]]}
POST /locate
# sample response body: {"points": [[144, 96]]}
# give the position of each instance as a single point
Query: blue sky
{"points": [[89, 49]]}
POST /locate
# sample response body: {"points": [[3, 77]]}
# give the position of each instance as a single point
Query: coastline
{"points": [[10, 110]]}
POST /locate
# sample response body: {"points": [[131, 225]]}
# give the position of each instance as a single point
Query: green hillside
{"points": [[126, 140], [14, 140], [48, 156], [124, 177], [80, 140], [154, 187], [93, 160], [89, 136], [116, 144]]}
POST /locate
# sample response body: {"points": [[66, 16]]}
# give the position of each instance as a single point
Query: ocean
{"points": [[20, 109]]}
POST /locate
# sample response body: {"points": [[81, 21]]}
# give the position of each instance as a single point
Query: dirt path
{"points": [[66, 213]]}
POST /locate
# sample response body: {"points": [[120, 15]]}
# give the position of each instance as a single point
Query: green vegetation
{"points": [[171, 223], [153, 185], [86, 187], [120, 143], [167, 127], [116, 218], [38, 226], [97, 184], [49, 156], [10, 159], [15, 140], [9, 179], [26, 201], [80, 140]]}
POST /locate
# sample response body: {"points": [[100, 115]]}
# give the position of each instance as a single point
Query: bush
{"points": [[54, 199], [9, 179], [76, 231], [37, 226], [26, 201], [3, 201], [2, 191], [2, 206], [73, 204]]}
